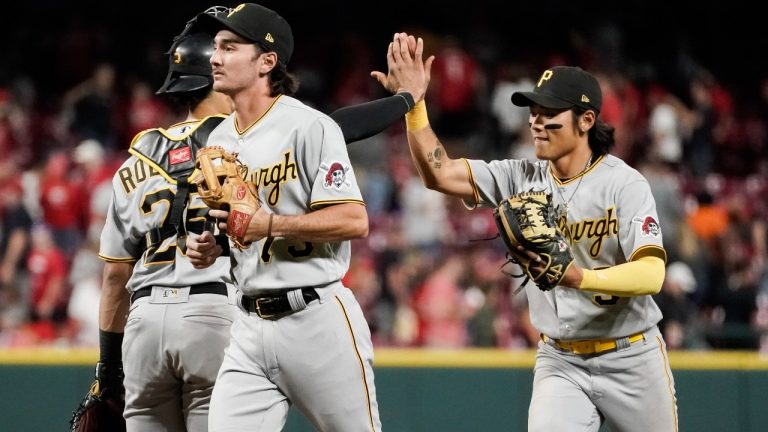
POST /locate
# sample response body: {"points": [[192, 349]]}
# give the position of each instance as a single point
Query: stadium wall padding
{"points": [[418, 390]]}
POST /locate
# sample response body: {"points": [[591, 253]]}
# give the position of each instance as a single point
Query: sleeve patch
{"points": [[335, 175], [648, 226]]}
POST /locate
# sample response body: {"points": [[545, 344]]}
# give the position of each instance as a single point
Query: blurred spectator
{"points": [[145, 111], [442, 307], [48, 280], [85, 280], [679, 323], [512, 120], [15, 225], [667, 191], [90, 108], [664, 125], [709, 219], [457, 81], [94, 181], [354, 85], [425, 219], [699, 148], [62, 203]]}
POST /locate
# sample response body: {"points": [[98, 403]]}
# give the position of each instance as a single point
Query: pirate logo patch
{"points": [[335, 175], [648, 226]]}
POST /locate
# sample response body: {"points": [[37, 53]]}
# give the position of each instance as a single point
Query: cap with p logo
{"points": [[563, 87], [257, 24]]}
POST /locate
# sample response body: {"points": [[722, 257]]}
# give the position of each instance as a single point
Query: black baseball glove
{"points": [[528, 220], [101, 410]]}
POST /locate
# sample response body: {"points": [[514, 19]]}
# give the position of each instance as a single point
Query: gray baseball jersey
{"points": [[297, 158], [142, 194], [175, 336], [609, 217]]}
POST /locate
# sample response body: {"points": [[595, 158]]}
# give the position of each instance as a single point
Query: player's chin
{"points": [[219, 84], [541, 149]]}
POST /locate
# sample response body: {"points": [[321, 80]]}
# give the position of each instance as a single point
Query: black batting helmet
{"points": [[189, 67]]}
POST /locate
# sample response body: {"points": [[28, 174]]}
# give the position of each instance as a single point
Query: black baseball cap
{"points": [[257, 24], [563, 87]]}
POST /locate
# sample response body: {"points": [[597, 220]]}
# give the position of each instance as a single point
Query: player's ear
{"points": [[269, 61], [587, 120]]}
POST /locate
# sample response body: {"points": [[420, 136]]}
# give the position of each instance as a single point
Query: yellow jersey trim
{"points": [[117, 259], [475, 192], [577, 176], [649, 250], [237, 128], [318, 204]]}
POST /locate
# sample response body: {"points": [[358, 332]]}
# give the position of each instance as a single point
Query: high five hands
{"points": [[407, 70]]}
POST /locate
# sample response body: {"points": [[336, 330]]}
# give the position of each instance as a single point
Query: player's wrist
{"points": [[270, 224], [417, 118], [589, 280], [110, 347], [407, 97]]}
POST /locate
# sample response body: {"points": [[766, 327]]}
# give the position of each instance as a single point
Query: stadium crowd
{"points": [[430, 272]]}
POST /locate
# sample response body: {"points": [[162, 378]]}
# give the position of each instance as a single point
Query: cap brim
{"points": [[210, 24], [183, 84], [524, 99]]}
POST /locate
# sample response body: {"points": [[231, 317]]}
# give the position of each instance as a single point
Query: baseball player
{"points": [[601, 358], [143, 244], [179, 318], [301, 337]]}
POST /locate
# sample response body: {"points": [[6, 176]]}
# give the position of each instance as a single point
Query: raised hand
{"points": [[406, 69]]}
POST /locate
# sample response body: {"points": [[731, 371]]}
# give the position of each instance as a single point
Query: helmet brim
{"points": [[175, 84]]}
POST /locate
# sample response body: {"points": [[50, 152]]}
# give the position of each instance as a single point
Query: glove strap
{"points": [[177, 208]]}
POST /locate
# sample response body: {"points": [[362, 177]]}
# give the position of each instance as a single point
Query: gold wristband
{"points": [[269, 227], [417, 118]]}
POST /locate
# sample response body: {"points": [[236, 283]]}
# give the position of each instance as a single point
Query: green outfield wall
{"points": [[419, 390]]}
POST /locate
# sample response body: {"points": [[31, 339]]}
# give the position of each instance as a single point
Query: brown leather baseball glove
{"points": [[528, 220], [219, 177]]}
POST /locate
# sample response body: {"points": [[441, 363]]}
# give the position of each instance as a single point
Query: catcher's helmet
{"points": [[189, 68]]}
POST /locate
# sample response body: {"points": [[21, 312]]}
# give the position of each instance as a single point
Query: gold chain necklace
{"points": [[567, 203]]}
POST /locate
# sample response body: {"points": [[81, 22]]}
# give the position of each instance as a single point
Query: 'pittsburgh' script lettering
{"points": [[597, 229], [274, 176]]}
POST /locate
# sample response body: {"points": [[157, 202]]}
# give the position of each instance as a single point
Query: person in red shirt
{"points": [[48, 279], [62, 204]]}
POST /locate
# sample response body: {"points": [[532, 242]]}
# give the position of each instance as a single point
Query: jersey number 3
{"points": [[266, 251]]}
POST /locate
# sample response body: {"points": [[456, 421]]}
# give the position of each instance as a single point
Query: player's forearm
{"points": [[437, 171], [115, 299], [642, 277], [364, 120], [332, 223]]}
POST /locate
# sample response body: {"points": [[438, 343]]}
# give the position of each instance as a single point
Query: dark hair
{"points": [[283, 82], [280, 80], [601, 137]]}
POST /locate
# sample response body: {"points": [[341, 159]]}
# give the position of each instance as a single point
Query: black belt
{"points": [[268, 306], [203, 288]]}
